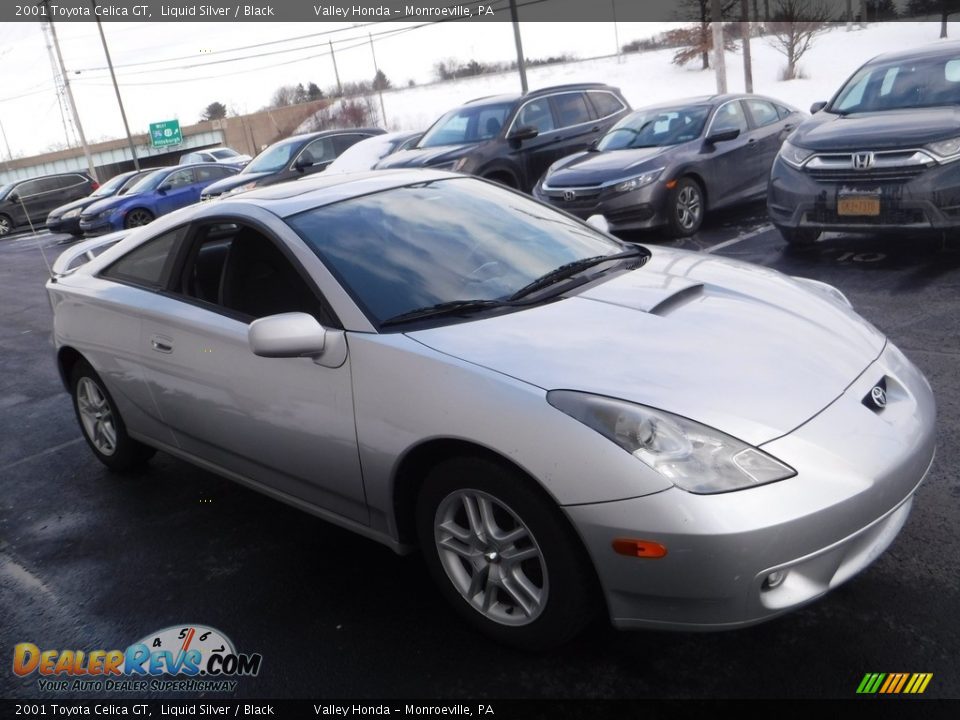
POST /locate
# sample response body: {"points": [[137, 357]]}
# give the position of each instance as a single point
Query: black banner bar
{"points": [[365, 11]]}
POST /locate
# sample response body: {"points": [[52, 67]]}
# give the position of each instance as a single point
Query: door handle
{"points": [[595, 128], [161, 343]]}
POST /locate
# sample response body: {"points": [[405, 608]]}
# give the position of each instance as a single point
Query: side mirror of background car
{"points": [[302, 164], [294, 334], [164, 187], [593, 146], [817, 107], [723, 135], [526, 132]]}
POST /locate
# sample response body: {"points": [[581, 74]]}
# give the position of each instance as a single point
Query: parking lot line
{"points": [[746, 236], [48, 451]]}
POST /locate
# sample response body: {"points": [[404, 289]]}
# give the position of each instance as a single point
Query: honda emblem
{"points": [[863, 160]]}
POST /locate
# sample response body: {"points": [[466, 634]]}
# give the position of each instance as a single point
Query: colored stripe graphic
{"points": [[894, 683]]}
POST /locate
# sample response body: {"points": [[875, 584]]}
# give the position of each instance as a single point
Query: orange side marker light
{"points": [[639, 548]]}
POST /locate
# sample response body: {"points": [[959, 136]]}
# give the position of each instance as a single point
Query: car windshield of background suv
{"points": [[470, 124], [900, 85]]}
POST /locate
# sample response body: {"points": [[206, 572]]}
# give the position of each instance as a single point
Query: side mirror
{"points": [[164, 187], [294, 334], [723, 136], [526, 132], [599, 222], [302, 164], [14, 197], [817, 107]]}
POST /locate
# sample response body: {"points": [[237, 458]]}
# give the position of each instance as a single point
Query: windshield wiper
{"points": [[451, 307], [570, 269]]}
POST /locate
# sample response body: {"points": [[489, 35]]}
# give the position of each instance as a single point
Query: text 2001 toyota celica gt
{"points": [[561, 422]]}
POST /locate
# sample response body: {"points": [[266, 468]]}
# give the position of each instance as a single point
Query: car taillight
{"points": [[94, 185]]}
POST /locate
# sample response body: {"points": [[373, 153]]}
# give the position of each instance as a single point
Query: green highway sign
{"points": [[165, 133]]}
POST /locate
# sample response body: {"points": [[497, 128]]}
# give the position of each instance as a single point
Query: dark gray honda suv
{"points": [[881, 155], [513, 139]]}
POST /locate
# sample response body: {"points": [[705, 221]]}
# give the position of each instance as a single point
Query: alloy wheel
{"points": [[491, 557], [96, 416], [689, 207], [136, 218]]}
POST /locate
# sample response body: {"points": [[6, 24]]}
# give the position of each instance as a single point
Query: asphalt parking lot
{"points": [[90, 560]]}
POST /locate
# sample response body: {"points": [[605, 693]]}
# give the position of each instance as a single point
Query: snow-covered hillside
{"points": [[647, 78]]}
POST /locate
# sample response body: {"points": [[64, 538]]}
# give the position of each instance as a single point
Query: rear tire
{"points": [[101, 424], [503, 555], [685, 207], [798, 237]]}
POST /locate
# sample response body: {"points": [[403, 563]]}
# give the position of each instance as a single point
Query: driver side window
{"points": [[240, 270]]}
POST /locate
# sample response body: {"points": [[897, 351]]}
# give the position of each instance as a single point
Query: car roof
{"points": [[290, 198], [933, 50], [550, 89]]}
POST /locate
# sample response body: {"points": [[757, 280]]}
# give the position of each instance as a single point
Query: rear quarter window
{"points": [[148, 265], [605, 103]]}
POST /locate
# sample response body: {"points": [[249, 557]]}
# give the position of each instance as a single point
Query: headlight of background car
{"points": [[453, 166], [946, 150], [71, 214], [794, 155], [638, 182], [242, 188], [692, 456]]}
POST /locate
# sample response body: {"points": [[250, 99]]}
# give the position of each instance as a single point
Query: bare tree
{"points": [[283, 96], [795, 26], [697, 40]]}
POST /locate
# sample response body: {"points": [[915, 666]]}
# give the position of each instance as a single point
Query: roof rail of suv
{"points": [[569, 86]]}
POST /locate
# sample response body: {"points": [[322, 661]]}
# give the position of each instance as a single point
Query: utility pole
{"points": [[719, 61], [376, 77], [73, 105], [616, 32], [745, 34], [116, 88], [58, 84], [521, 63], [6, 162], [335, 71]]}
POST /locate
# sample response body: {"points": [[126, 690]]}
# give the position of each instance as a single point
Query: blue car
{"points": [[162, 191]]}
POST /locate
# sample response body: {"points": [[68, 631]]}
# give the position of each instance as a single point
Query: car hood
{"points": [[75, 205], [586, 169], [222, 186], [106, 203], [422, 157], [740, 348], [906, 128]]}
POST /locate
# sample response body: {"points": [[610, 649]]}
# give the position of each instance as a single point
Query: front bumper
{"points": [[64, 225], [99, 226], [858, 470], [639, 209], [929, 201]]}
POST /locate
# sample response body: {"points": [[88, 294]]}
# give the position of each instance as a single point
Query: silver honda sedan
{"points": [[561, 422]]}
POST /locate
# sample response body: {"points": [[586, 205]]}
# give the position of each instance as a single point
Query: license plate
{"points": [[858, 205]]}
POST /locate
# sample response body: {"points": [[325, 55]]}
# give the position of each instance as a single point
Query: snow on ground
{"points": [[647, 78]]}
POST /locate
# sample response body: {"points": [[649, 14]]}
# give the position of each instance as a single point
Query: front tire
{"points": [[138, 217], [6, 225], [100, 421], [503, 554], [685, 206]]}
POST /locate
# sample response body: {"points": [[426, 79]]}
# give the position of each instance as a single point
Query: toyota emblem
{"points": [[879, 397]]}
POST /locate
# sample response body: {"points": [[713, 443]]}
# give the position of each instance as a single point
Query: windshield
{"points": [[656, 128], [443, 241], [111, 186], [224, 153], [4, 189], [926, 82], [131, 181], [469, 124], [272, 159], [147, 182]]}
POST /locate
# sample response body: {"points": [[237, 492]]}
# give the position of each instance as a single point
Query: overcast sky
{"points": [[182, 66]]}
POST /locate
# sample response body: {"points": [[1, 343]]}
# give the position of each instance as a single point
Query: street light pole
{"points": [[116, 88], [521, 63]]}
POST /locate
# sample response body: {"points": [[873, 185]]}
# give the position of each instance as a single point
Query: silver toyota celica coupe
{"points": [[560, 421]]}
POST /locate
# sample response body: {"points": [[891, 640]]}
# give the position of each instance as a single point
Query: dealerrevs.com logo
{"points": [[189, 658]]}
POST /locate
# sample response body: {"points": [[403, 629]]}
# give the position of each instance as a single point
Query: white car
{"points": [[560, 421]]}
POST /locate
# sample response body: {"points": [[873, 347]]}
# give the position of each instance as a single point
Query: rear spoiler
{"points": [[83, 252]]}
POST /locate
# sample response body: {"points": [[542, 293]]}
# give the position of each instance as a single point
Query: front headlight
{"points": [[453, 165], [694, 457], [637, 182], [71, 214], [946, 150], [242, 188], [794, 155]]}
